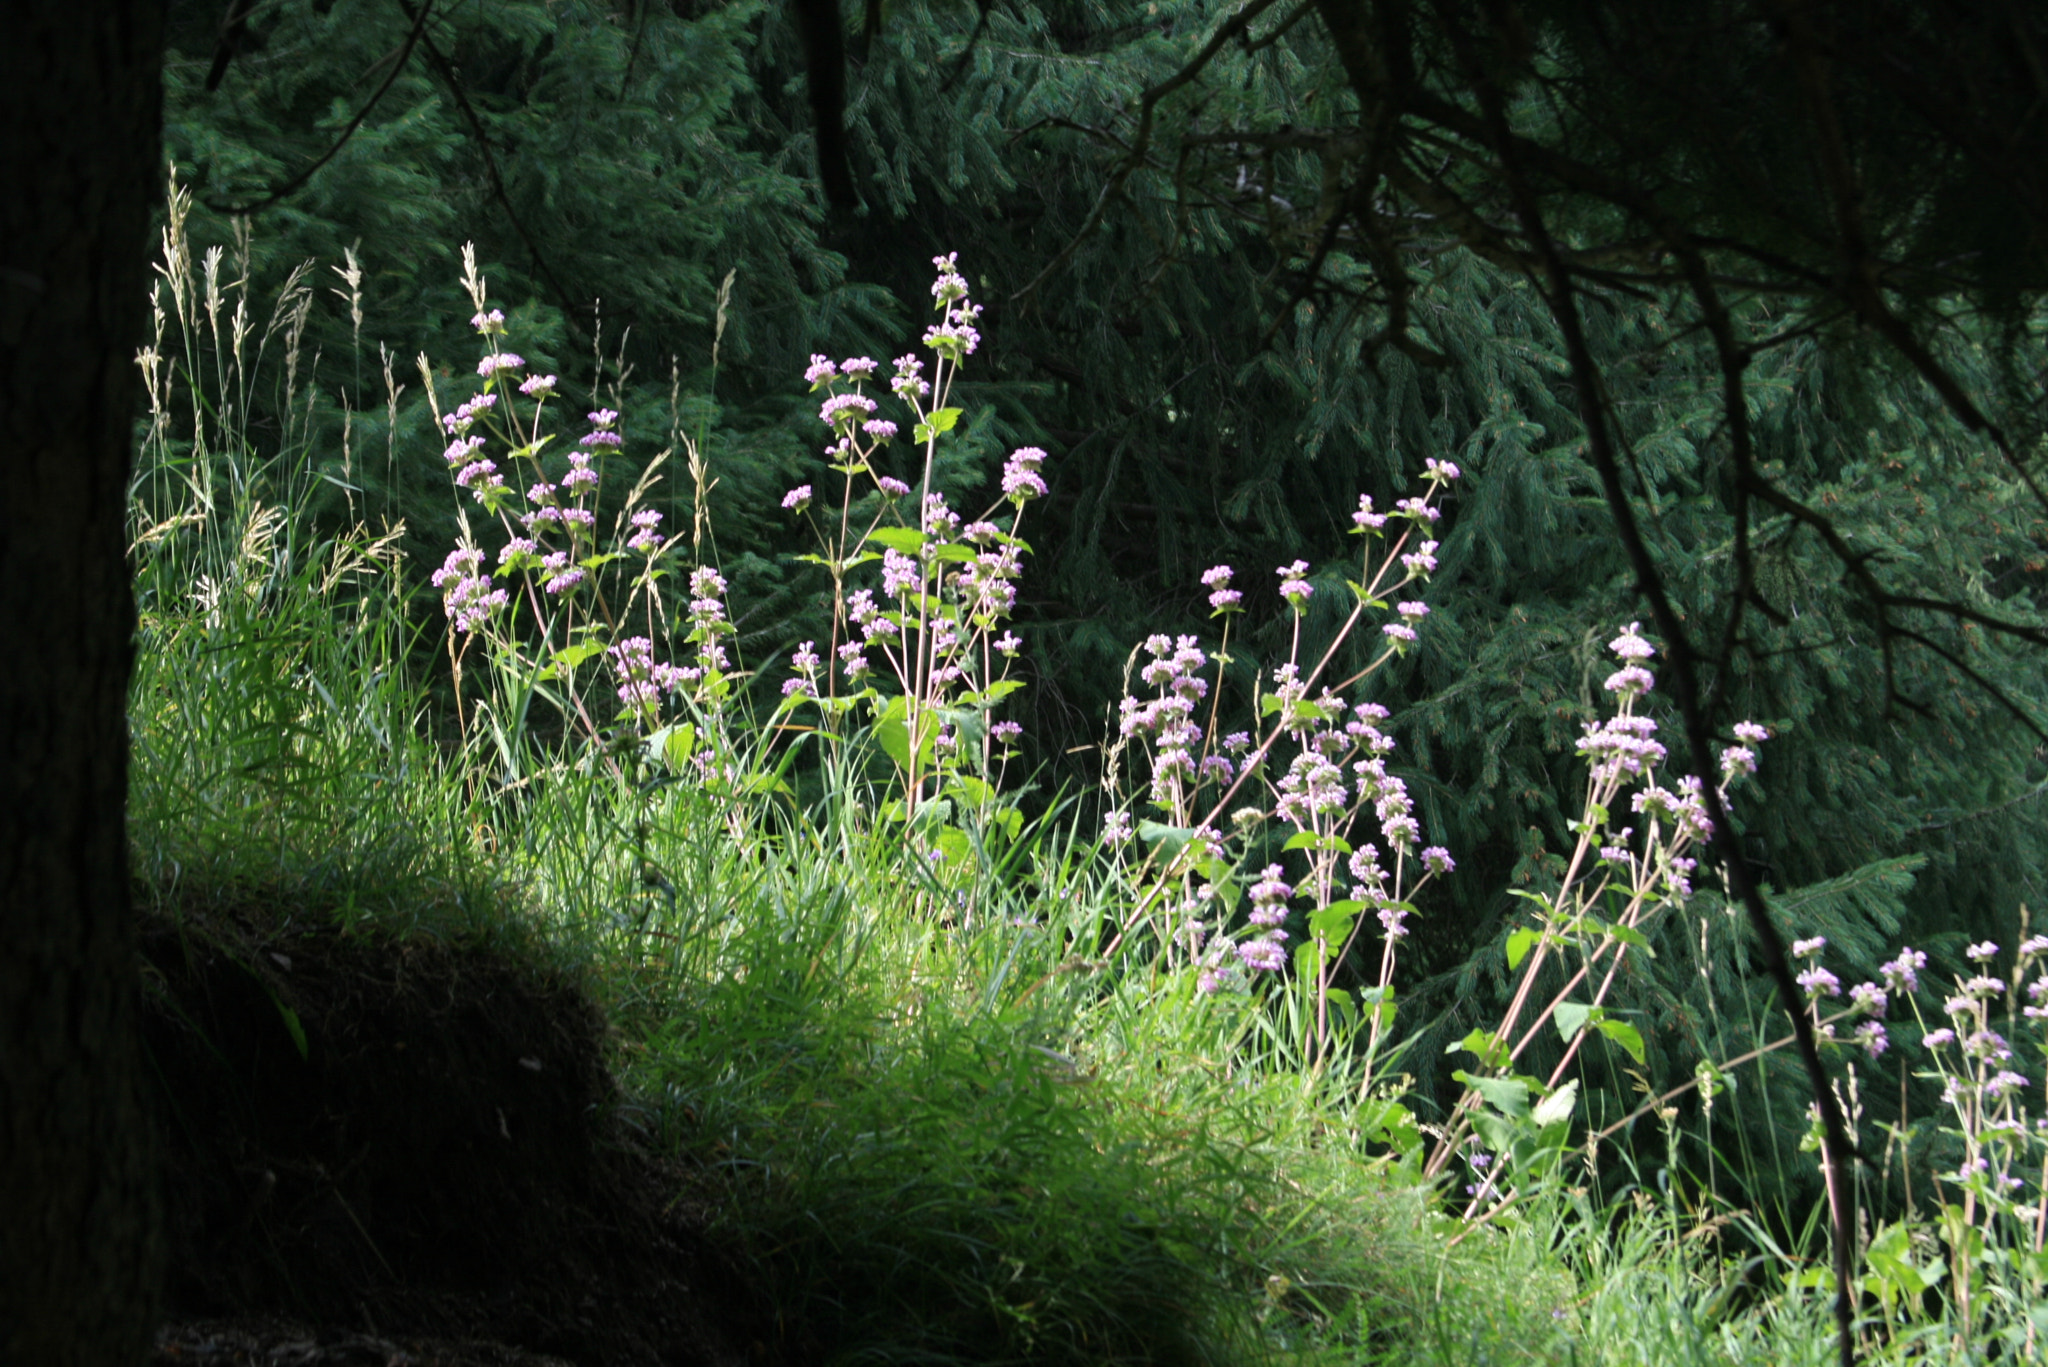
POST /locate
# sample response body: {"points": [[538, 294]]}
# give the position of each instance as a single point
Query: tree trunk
{"points": [[80, 115]]}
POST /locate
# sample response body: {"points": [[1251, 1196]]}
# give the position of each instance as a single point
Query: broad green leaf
{"points": [[1486, 1045], [955, 844], [1623, 1034], [1507, 1095], [565, 660], [894, 737], [1392, 1124], [1171, 840], [1519, 945], [908, 540], [1380, 1003], [1347, 1010], [1571, 1017], [1332, 925], [1498, 1132], [1632, 937], [1558, 1106], [762, 784], [974, 791], [677, 744]]}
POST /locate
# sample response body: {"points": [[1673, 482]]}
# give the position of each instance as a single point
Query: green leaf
{"points": [[937, 421], [1347, 1010], [1571, 1017], [976, 792], [1489, 1048], [894, 737], [1171, 840], [1507, 1095], [675, 745], [1498, 1132], [1558, 1106], [1631, 937], [1623, 1034], [907, 540], [1333, 924], [565, 660], [1310, 840], [1392, 1124], [1519, 945], [955, 845]]}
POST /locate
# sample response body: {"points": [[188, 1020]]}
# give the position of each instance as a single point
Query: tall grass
{"points": [[940, 1080]]}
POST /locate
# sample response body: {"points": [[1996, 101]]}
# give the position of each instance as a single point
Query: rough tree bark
{"points": [[80, 115]]}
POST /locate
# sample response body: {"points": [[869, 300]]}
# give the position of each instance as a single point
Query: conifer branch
{"points": [[1141, 140], [412, 38], [483, 144], [1839, 1148]]}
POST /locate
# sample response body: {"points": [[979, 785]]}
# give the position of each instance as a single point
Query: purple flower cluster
{"points": [[468, 414], [1621, 747], [466, 595], [645, 539], [1222, 597], [1422, 562], [561, 575], [940, 521], [1903, 973], [1166, 720], [804, 683], [708, 624], [642, 680], [988, 583], [954, 337], [1294, 585], [1021, 480], [908, 382], [844, 412], [581, 478], [1262, 951]]}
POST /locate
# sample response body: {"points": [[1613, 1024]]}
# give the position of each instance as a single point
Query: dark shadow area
{"points": [[407, 1152]]}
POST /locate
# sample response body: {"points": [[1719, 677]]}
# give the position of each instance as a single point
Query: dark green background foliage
{"points": [[1218, 374]]}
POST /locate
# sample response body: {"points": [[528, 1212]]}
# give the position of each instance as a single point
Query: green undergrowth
{"points": [[933, 1130], [930, 1124]]}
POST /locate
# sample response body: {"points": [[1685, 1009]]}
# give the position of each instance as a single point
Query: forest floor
{"points": [[408, 1153]]}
